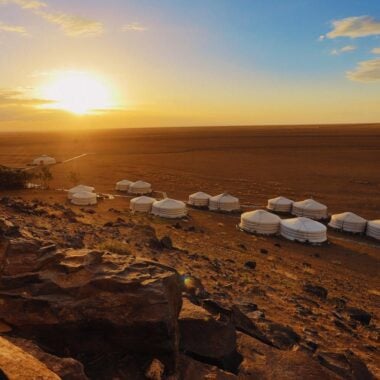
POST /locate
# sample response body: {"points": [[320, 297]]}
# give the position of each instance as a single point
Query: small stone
{"points": [[359, 315], [316, 290], [166, 242], [250, 264], [264, 251]]}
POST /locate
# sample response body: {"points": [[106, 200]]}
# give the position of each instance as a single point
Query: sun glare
{"points": [[77, 92]]}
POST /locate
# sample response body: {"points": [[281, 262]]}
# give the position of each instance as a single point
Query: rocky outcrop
{"points": [[206, 338], [18, 364], [267, 363], [65, 368], [91, 303]]}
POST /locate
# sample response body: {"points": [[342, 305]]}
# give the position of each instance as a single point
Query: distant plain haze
{"points": [[146, 63]]}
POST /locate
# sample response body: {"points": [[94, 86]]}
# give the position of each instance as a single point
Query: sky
{"points": [[147, 63]]}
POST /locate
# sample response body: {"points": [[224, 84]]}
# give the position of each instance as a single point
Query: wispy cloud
{"points": [[344, 49], [366, 71], [71, 25], [19, 98], [25, 4], [13, 29], [134, 27], [376, 50], [354, 27]]}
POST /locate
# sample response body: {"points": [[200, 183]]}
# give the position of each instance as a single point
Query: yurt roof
{"points": [[310, 204], [143, 200], [169, 203], [200, 195], [80, 188], [261, 216], [140, 184], [349, 217], [281, 200], [124, 182], [304, 224], [224, 197], [84, 195]]}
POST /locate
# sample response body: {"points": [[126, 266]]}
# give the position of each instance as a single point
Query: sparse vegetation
{"points": [[13, 178], [115, 246], [45, 176]]}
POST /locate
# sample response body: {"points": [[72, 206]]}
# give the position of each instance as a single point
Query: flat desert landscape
{"points": [[277, 283]]}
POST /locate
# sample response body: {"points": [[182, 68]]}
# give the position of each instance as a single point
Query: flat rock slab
{"points": [[18, 364], [90, 302]]}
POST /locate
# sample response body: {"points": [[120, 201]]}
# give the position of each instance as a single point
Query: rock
{"points": [[155, 370], [108, 224], [166, 242], [316, 290], [264, 251], [7, 228], [282, 337], [18, 364], [65, 368], [250, 264], [345, 365], [75, 241], [207, 338], [48, 248], [190, 369], [20, 256], [359, 315], [93, 303], [265, 362]]}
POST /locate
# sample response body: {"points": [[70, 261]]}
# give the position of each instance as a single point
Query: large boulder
{"points": [[207, 338], [93, 302], [18, 364]]}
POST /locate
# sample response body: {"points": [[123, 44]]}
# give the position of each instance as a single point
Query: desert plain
{"points": [[336, 165]]}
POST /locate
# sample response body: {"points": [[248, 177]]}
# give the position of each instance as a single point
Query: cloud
{"points": [[18, 98], [354, 27], [25, 4], [376, 50], [344, 49], [13, 29], [134, 27], [73, 26], [366, 71]]}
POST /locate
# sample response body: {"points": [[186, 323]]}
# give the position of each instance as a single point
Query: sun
{"points": [[77, 92]]}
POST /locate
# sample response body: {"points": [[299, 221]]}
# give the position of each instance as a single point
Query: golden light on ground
{"points": [[77, 92]]}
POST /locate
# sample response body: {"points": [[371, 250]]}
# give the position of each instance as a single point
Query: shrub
{"points": [[11, 179]]}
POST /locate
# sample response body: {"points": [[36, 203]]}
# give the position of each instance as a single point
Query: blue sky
{"points": [[184, 57]]}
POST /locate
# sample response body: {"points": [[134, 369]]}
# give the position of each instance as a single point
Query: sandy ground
{"points": [[338, 166]]}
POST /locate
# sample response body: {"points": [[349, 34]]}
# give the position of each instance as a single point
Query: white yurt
{"points": [[140, 187], [44, 160], [142, 204], [169, 208], [224, 202], [280, 204], [304, 230], [199, 199], [310, 209], [84, 198], [78, 189], [348, 221], [260, 221], [123, 185], [373, 229]]}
